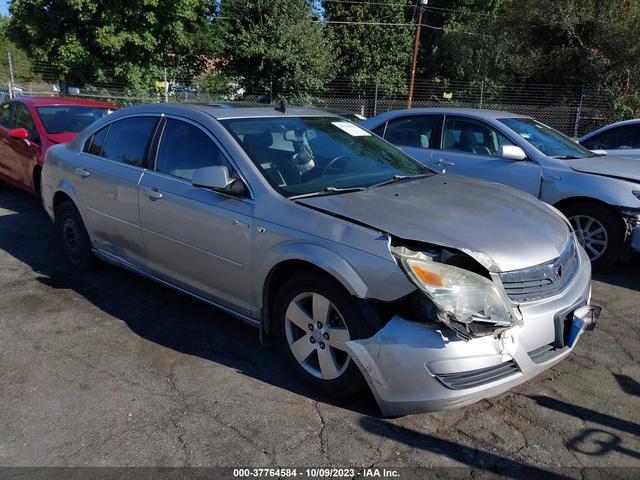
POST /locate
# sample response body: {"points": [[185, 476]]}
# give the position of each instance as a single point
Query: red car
{"points": [[30, 125]]}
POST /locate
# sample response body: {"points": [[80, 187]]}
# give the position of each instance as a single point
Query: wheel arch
{"points": [[320, 262]]}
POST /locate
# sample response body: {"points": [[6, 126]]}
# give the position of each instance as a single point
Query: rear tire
{"points": [[73, 237], [599, 230], [314, 316]]}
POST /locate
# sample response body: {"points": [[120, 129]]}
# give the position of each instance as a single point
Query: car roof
{"points": [[476, 112], [224, 113], [53, 101]]}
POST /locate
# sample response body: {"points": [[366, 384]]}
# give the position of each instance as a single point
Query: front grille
{"points": [[474, 378], [542, 281]]}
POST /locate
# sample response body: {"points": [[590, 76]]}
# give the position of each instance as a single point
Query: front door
{"points": [[470, 147], [196, 238], [18, 156]]}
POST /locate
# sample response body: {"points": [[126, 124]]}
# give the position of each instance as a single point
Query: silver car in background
{"points": [[621, 139], [599, 194], [365, 267]]}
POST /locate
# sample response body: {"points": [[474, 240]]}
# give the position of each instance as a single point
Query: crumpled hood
{"points": [[500, 227], [61, 137], [612, 166]]}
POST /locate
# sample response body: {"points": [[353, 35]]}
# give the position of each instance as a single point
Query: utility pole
{"points": [[11, 79], [416, 46]]}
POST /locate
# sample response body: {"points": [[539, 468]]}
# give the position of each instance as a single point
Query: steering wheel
{"points": [[334, 161]]}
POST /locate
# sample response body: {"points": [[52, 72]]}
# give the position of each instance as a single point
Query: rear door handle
{"points": [[82, 172], [152, 193], [449, 163]]}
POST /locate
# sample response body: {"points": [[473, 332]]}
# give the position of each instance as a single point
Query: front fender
{"points": [[319, 256], [362, 274]]}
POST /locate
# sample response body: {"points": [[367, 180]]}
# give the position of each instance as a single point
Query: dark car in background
{"points": [[30, 125]]}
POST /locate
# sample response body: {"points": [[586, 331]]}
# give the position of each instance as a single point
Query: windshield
{"points": [[546, 139], [69, 118], [307, 155]]}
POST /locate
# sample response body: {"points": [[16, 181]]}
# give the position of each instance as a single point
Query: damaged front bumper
{"points": [[632, 218], [415, 368]]}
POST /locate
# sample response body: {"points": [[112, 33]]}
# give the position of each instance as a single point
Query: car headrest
{"points": [[258, 141], [467, 137]]}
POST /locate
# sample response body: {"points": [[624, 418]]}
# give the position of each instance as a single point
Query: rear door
{"points": [[107, 175], [621, 141], [417, 135], [196, 238], [470, 148]]}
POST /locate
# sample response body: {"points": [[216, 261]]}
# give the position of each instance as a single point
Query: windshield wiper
{"points": [[566, 157], [397, 178], [328, 191]]}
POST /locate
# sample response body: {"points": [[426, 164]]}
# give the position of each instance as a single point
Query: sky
{"points": [[4, 9]]}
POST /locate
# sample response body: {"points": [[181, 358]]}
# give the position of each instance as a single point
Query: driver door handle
{"points": [[448, 163], [152, 193], [82, 172]]}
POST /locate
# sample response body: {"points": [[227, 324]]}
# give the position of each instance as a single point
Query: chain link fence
{"points": [[574, 110]]}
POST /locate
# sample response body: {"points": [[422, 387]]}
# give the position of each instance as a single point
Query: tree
{"points": [[128, 42], [22, 65], [277, 44], [367, 52]]}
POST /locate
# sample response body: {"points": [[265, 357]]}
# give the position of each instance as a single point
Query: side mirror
{"points": [[512, 152], [215, 177], [19, 133]]}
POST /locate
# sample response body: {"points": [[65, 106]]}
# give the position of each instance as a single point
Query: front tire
{"points": [[73, 237], [599, 230], [314, 317]]}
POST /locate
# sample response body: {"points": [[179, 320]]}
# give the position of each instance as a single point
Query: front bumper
{"points": [[412, 368]]}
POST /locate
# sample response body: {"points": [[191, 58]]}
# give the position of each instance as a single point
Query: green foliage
{"points": [[277, 44], [217, 85], [368, 52], [572, 42], [23, 68], [129, 41]]}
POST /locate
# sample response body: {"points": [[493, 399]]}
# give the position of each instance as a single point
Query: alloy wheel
{"points": [[591, 235], [316, 333]]}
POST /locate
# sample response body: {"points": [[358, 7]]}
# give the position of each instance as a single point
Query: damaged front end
{"points": [[465, 298]]}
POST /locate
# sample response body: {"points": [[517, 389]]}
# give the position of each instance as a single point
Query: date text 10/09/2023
{"points": [[316, 472]]}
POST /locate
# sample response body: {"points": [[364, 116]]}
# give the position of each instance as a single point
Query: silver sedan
{"points": [[599, 194], [365, 267], [621, 139]]}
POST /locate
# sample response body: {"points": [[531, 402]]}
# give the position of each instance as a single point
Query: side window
{"points": [[128, 140], [418, 131], [22, 119], [185, 148], [95, 142], [472, 136], [379, 130], [622, 137], [5, 114]]}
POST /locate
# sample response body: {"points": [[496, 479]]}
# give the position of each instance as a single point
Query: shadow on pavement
{"points": [[628, 384], [154, 312], [622, 274], [472, 457]]}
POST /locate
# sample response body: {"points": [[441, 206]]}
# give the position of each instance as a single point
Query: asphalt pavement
{"points": [[108, 369]]}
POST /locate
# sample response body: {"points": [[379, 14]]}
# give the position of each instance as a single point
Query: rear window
{"points": [[69, 118]]}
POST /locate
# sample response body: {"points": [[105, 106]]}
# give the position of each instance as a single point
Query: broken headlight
{"points": [[468, 303]]}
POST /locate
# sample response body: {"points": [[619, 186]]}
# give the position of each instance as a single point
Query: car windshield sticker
{"points": [[351, 129]]}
